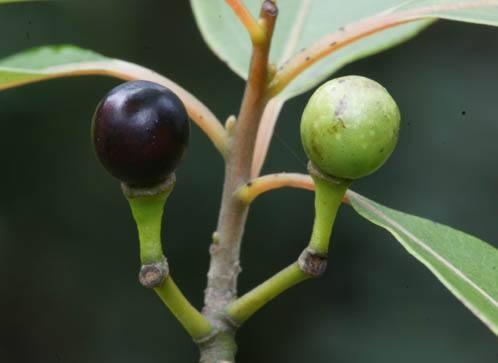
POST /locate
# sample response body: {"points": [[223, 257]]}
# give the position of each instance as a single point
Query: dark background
{"points": [[68, 248]]}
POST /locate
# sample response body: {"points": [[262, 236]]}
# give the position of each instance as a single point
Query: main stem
{"points": [[225, 250]]}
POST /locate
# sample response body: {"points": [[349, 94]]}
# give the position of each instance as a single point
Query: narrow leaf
{"points": [[51, 62], [467, 266], [35, 64], [42, 57]]}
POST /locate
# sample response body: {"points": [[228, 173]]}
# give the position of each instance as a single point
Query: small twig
{"points": [[197, 111], [251, 190], [256, 32], [357, 31]]}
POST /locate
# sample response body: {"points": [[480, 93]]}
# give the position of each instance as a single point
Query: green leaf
{"points": [[50, 62], [485, 11], [35, 64], [363, 48], [467, 266], [49, 56], [302, 22]]}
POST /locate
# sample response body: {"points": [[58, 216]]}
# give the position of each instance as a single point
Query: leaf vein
{"points": [[424, 246]]}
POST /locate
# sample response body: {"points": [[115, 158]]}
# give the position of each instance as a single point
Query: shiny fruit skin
{"points": [[140, 131], [350, 127]]}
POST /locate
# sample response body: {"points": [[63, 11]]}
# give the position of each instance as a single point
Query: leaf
{"points": [[484, 12], [42, 57], [44, 63], [472, 11], [30, 65], [467, 266], [302, 22]]}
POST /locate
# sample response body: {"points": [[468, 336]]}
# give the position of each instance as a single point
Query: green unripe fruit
{"points": [[350, 127]]}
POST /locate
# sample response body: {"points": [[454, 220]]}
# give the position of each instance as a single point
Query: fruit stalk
{"points": [[148, 214], [147, 206], [329, 193]]}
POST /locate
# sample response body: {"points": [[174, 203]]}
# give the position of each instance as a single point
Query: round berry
{"points": [[350, 127], [140, 131]]}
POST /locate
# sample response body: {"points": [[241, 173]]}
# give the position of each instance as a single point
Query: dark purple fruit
{"points": [[140, 131]]}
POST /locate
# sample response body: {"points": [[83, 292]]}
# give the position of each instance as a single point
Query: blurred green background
{"points": [[68, 248]]}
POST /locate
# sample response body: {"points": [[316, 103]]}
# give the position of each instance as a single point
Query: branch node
{"points": [[216, 237], [312, 263], [207, 338], [272, 70], [268, 17], [230, 124], [231, 322], [269, 8], [153, 274]]}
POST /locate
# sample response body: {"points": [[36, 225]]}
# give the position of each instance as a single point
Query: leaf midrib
{"points": [[425, 247]]}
